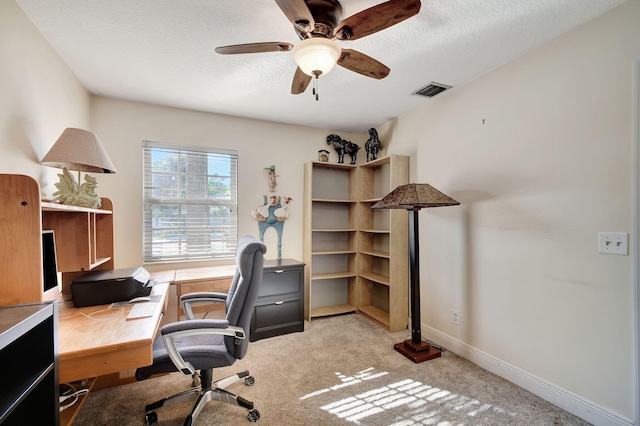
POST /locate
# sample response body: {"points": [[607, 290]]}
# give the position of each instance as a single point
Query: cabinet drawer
{"points": [[276, 318], [280, 281]]}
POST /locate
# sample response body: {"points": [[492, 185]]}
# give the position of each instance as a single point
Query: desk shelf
{"points": [[83, 236]]}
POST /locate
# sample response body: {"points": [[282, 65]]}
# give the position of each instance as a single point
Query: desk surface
{"points": [[96, 341], [204, 274]]}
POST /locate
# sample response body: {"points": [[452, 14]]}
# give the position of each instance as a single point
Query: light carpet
{"points": [[341, 370]]}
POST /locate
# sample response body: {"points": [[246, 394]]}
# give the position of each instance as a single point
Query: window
{"points": [[190, 200]]}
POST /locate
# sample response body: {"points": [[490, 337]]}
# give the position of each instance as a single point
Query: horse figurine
{"points": [[373, 145], [343, 147]]}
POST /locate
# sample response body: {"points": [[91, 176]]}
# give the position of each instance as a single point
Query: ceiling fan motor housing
{"points": [[327, 15]]}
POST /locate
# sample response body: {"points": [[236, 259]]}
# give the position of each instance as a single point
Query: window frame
{"points": [[187, 210]]}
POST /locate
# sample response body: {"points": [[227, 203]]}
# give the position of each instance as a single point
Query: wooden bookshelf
{"points": [[356, 257]]}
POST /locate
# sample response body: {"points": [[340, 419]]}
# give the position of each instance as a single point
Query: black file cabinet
{"points": [[28, 355], [279, 308]]}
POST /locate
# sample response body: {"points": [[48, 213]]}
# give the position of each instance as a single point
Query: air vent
{"points": [[432, 89]]}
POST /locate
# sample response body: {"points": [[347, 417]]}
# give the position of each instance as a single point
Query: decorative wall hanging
{"points": [[272, 211], [373, 145], [343, 147]]}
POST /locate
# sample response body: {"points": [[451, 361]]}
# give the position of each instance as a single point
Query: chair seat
{"points": [[203, 352]]}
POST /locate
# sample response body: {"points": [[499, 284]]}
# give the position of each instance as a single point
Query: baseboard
{"points": [[568, 401]]}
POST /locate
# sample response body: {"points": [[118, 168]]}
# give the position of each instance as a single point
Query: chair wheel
{"points": [[253, 416], [151, 418], [249, 381]]}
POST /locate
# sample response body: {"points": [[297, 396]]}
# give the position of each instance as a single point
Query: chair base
{"points": [[204, 393]]}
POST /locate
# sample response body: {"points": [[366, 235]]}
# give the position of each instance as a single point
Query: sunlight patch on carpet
{"points": [[407, 402]]}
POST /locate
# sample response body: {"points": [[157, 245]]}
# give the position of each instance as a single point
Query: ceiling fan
{"points": [[318, 24]]}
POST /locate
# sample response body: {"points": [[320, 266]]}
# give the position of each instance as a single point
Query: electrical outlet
{"points": [[613, 243], [455, 316]]}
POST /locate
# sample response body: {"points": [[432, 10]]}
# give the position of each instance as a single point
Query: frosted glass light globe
{"points": [[316, 56]]}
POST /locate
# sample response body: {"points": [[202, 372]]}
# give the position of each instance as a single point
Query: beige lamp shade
{"points": [[80, 150]]}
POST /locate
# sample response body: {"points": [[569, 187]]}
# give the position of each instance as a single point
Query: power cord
{"points": [[98, 315], [75, 394], [440, 348]]}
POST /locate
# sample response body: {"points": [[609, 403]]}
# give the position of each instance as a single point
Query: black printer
{"points": [[115, 285]]}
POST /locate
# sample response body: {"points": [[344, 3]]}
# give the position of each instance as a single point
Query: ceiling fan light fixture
{"points": [[316, 56]]}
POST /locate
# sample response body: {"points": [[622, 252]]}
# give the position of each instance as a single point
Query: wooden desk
{"points": [[107, 343]]}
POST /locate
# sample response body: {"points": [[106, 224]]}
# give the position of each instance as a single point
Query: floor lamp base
{"points": [[417, 352]]}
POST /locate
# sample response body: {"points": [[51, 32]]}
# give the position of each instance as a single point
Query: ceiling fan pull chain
{"points": [[315, 86]]}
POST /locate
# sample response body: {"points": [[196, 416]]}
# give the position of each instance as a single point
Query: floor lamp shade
{"points": [[413, 197]]}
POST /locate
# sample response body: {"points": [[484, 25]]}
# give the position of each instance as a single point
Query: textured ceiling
{"points": [[162, 52]]}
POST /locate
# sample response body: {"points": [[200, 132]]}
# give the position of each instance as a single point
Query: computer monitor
{"points": [[49, 261]]}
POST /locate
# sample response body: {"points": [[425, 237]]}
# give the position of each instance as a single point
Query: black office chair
{"points": [[204, 344]]}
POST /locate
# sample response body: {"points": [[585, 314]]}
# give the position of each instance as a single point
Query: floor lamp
{"points": [[413, 197]]}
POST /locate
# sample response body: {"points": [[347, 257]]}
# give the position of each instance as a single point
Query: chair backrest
{"points": [[244, 291]]}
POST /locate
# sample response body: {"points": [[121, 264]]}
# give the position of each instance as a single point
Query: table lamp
{"points": [[80, 150], [413, 197]]}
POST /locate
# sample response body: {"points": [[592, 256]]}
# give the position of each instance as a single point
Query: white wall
{"points": [[635, 238], [540, 154], [551, 166], [122, 126], [39, 98]]}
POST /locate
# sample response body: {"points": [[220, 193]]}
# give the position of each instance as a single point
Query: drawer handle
{"points": [[279, 302], [279, 271]]}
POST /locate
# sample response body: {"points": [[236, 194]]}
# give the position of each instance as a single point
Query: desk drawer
{"points": [[209, 285], [221, 286], [276, 318], [279, 281]]}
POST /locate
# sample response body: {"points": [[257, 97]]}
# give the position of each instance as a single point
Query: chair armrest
{"points": [[172, 332], [200, 297], [194, 325]]}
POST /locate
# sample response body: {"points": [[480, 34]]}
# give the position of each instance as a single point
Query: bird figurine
{"points": [[263, 211], [281, 213], [71, 194]]}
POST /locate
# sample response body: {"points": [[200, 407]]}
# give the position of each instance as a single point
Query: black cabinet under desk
{"points": [[279, 308]]}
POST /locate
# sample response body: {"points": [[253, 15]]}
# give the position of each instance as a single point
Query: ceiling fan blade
{"points": [[254, 48], [298, 13], [300, 82], [362, 64], [376, 18]]}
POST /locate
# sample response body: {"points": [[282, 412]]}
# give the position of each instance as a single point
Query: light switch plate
{"points": [[613, 243]]}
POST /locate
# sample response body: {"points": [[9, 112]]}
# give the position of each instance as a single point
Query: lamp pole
{"points": [[415, 349], [414, 262]]}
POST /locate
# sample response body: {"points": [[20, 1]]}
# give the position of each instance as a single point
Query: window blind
{"points": [[190, 202]]}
